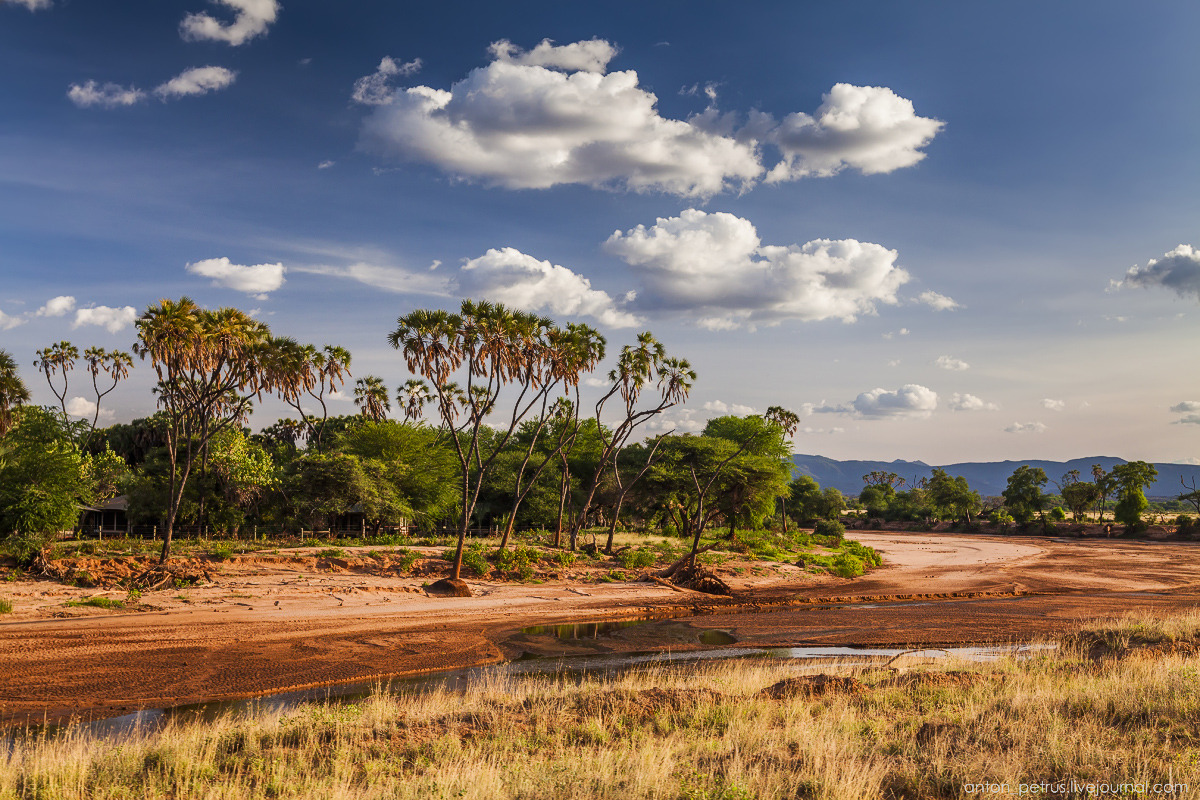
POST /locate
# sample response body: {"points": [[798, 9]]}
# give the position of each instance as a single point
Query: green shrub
{"points": [[845, 565], [222, 552], [331, 552], [407, 559], [96, 602], [831, 530], [1183, 523], [5, 606], [565, 558], [475, 559], [1057, 514], [868, 555], [636, 559], [520, 559]]}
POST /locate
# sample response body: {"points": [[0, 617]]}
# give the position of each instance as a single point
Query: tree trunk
{"points": [[612, 528]]}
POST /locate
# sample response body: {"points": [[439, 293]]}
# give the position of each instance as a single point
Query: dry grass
{"points": [[1132, 716]]}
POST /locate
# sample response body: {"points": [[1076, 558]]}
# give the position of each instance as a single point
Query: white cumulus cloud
{"points": [[376, 89], [868, 128], [521, 125], [1187, 406], [110, 95], [112, 319], [57, 306], [197, 80], [8, 321], [715, 265], [969, 402], [951, 363], [553, 115], [589, 56], [1054, 405], [910, 400], [938, 302], [1026, 427], [735, 409], [1178, 270], [511, 277], [255, 280], [252, 18], [82, 407]]}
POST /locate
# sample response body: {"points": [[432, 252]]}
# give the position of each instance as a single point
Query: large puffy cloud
{"points": [[1178, 270], [57, 306], [110, 95], [252, 19], [969, 402], [524, 126], [716, 265], [868, 128], [255, 280], [113, 320], [197, 80], [511, 277], [551, 115]]}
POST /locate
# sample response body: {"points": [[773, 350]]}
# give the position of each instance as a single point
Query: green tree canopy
{"points": [[1023, 495]]}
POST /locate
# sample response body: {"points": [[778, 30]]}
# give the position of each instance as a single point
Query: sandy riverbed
{"points": [[266, 626]]}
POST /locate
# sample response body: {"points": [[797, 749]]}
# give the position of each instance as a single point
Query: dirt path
{"points": [[267, 628]]}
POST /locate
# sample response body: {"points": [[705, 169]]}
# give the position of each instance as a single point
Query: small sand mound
{"points": [[449, 587], [813, 686]]}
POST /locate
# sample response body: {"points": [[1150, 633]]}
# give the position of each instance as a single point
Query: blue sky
{"points": [[920, 260]]}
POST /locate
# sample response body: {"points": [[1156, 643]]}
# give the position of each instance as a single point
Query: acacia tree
{"points": [[371, 397], [1192, 497], [953, 496], [13, 392], [498, 347], [1130, 481], [210, 366], [637, 366], [306, 371], [58, 357]]}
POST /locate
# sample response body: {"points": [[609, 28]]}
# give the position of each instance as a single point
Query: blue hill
{"points": [[986, 477]]}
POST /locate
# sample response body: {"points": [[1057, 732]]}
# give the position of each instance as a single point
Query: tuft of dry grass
{"points": [[688, 732]]}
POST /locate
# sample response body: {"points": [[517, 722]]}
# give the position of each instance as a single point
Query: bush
{"points": [[222, 552], [635, 559], [408, 558], [832, 530], [565, 558], [1057, 514], [520, 559], [845, 565], [5, 606], [868, 555], [96, 602], [474, 558], [331, 552]]}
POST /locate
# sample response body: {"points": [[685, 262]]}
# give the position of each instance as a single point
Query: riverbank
{"points": [[1111, 705]]}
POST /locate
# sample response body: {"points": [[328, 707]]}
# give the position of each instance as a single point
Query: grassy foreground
{"points": [[1117, 703]]}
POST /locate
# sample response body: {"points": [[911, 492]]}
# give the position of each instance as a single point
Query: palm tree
{"points": [[13, 392], [412, 397], [210, 366], [58, 356], [371, 397], [115, 364]]}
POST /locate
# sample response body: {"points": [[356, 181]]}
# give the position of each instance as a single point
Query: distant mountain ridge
{"points": [[988, 477]]}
